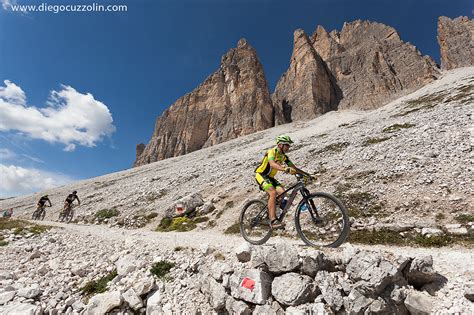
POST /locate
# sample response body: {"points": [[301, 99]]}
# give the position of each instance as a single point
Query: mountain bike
{"points": [[39, 213], [320, 218], [67, 214]]}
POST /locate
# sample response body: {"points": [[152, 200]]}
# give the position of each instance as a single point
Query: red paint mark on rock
{"points": [[248, 283]]}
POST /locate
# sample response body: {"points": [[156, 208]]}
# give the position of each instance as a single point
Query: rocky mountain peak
{"points": [[231, 102], [371, 64], [456, 41], [306, 89]]}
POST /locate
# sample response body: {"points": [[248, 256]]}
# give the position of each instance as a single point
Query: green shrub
{"points": [[106, 213], [162, 268], [98, 286], [179, 224]]}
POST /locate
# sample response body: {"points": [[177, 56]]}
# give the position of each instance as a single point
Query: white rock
{"points": [[132, 299], [19, 309], [6, 296], [153, 304], [104, 302], [243, 252], [418, 303], [431, 231], [126, 265], [29, 292]]}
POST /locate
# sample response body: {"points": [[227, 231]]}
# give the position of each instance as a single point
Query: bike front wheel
{"points": [[254, 222], [322, 220], [69, 215]]}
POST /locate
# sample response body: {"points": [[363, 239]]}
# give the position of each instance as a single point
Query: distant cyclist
{"points": [[43, 200], [70, 199], [275, 160]]}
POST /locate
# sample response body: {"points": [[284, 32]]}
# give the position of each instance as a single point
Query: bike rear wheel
{"points": [[325, 221], [254, 222], [34, 216]]}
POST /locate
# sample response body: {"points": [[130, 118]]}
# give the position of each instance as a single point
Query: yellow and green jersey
{"points": [[272, 155]]}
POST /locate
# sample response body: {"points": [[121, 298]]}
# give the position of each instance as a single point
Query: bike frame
{"points": [[301, 188]]}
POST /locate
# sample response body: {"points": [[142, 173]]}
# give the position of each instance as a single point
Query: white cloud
{"points": [[16, 180], [12, 93], [6, 154], [70, 118]]}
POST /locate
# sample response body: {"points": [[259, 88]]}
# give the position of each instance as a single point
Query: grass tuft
{"points": [[371, 141], [464, 218], [332, 148], [98, 286], [161, 269], [233, 229], [397, 127], [106, 214]]}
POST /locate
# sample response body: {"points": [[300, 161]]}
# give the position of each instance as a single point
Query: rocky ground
{"points": [[404, 169], [45, 273]]}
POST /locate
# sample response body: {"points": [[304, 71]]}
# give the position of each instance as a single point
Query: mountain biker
{"points": [[70, 199], [43, 200], [274, 161]]}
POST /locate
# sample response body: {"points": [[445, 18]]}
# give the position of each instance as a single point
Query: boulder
{"points": [[188, 204], [278, 258], [7, 296], [243, 252], [418, 303], [330, 289], [154, 304], [421, 272], [144, 285], [217, 295], [218, 269], [133, 300], [103, 303], [20, 309], [312, 262], [206, 208], [237, 307], [356, 302], [29, 292], [292, 289], [251, 285], [126, 265], [431, 231]]}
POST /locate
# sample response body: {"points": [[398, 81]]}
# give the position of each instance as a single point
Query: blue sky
{"points": [[113, 73]]}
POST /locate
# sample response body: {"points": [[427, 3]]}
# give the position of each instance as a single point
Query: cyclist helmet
{"points": [[283, 139], [45, 196], [74, 192]]}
